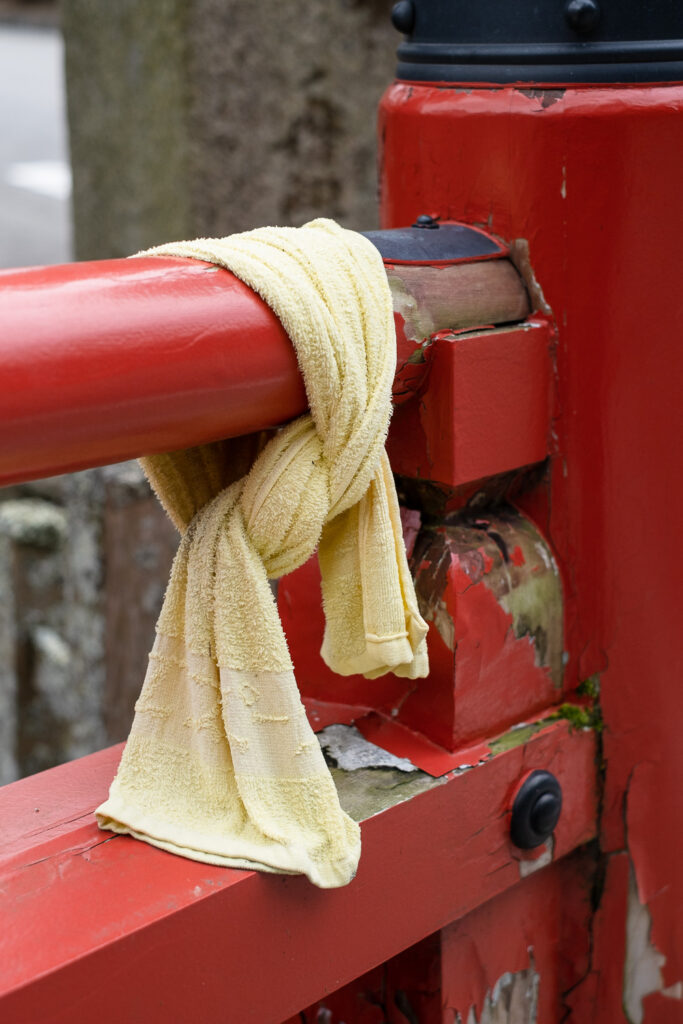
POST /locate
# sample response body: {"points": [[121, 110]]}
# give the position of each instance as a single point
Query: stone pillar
{"points": [[205, 117], [84, 561]]}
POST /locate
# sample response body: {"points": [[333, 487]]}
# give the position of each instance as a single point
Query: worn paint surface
{"points": [[459, 975], [591, 182], [600, 243], [465, 423], [513, 1000], [466, 295], [445, 850], [491, 591], [512, 960], [489, 586]]}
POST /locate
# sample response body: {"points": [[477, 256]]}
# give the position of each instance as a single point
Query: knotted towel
{"points": [[221, 764]]}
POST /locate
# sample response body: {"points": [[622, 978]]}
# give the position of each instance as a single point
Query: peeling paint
{"points": [[518, 567], [545, 97], [519, 254], [644, 963], [452, 297], [515, 737], [365, 792], [445, 625], [513, 1000], [492, 591], [528, 865], [350, 750], [533, 597]]}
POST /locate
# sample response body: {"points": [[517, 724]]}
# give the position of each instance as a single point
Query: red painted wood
{"points": [[540, 926], [601, 990], [486, 668], [110, 360], [590, 179], [101, 927], [406, 988], [466, 424]]}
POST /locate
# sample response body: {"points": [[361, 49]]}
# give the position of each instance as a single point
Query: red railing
{"points": [[110, 360], [107, 361]]}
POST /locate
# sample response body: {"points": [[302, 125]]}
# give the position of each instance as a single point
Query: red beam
{"points": [[485, 408], [105, 928], [110, 360]]}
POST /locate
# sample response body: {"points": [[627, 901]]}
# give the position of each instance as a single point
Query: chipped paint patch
{"points": [[528, 587], [517, 736], [444, 624], [528, 865], [644, 963], [365, 792], [513, 1000], [519, 254], [350, 750]]}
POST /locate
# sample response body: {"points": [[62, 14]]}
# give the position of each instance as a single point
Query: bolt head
{"points": [[582, 15], [536, 810], [403, 16], [426, 221]]}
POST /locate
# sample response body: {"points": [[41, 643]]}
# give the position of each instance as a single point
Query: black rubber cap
{"points": [[536, 810], [430, 242], [557, 41]]}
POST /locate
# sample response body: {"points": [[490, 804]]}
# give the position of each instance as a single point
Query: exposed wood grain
{"points": [[433, 299]]}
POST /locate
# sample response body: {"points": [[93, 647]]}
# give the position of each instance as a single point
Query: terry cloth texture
{"points": [[221, 764]]}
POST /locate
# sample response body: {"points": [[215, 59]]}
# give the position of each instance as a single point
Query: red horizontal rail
{"points": [[110, 360], [104, 928]]}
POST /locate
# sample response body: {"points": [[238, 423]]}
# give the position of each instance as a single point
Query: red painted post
{"points": [[584, 180], [589, 178]]}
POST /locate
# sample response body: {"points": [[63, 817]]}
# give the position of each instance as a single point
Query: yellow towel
{"points": [[221, 764]]}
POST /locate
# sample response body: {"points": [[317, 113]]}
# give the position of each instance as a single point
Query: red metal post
{"points": [[589, 179]]}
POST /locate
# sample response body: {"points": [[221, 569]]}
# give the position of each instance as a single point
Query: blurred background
{"points": [[122, 125]]}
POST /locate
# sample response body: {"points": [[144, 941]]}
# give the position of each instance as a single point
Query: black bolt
{"points": [[536, 810], [425, 221], [582, 15], [403, 16]]}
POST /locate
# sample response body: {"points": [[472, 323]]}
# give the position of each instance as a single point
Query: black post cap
{"points": [[556, 41]]}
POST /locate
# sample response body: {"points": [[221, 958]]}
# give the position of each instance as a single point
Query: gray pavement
{"points": [[35, 210]]}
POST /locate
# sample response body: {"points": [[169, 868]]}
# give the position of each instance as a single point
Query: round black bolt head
{"points": [[582, 15], [403, 16], [425, 221], [536, 810]]}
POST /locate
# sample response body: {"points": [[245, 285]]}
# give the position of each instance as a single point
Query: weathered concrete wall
{"points": [[187, 117], [84, 561], [204, 117]]}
